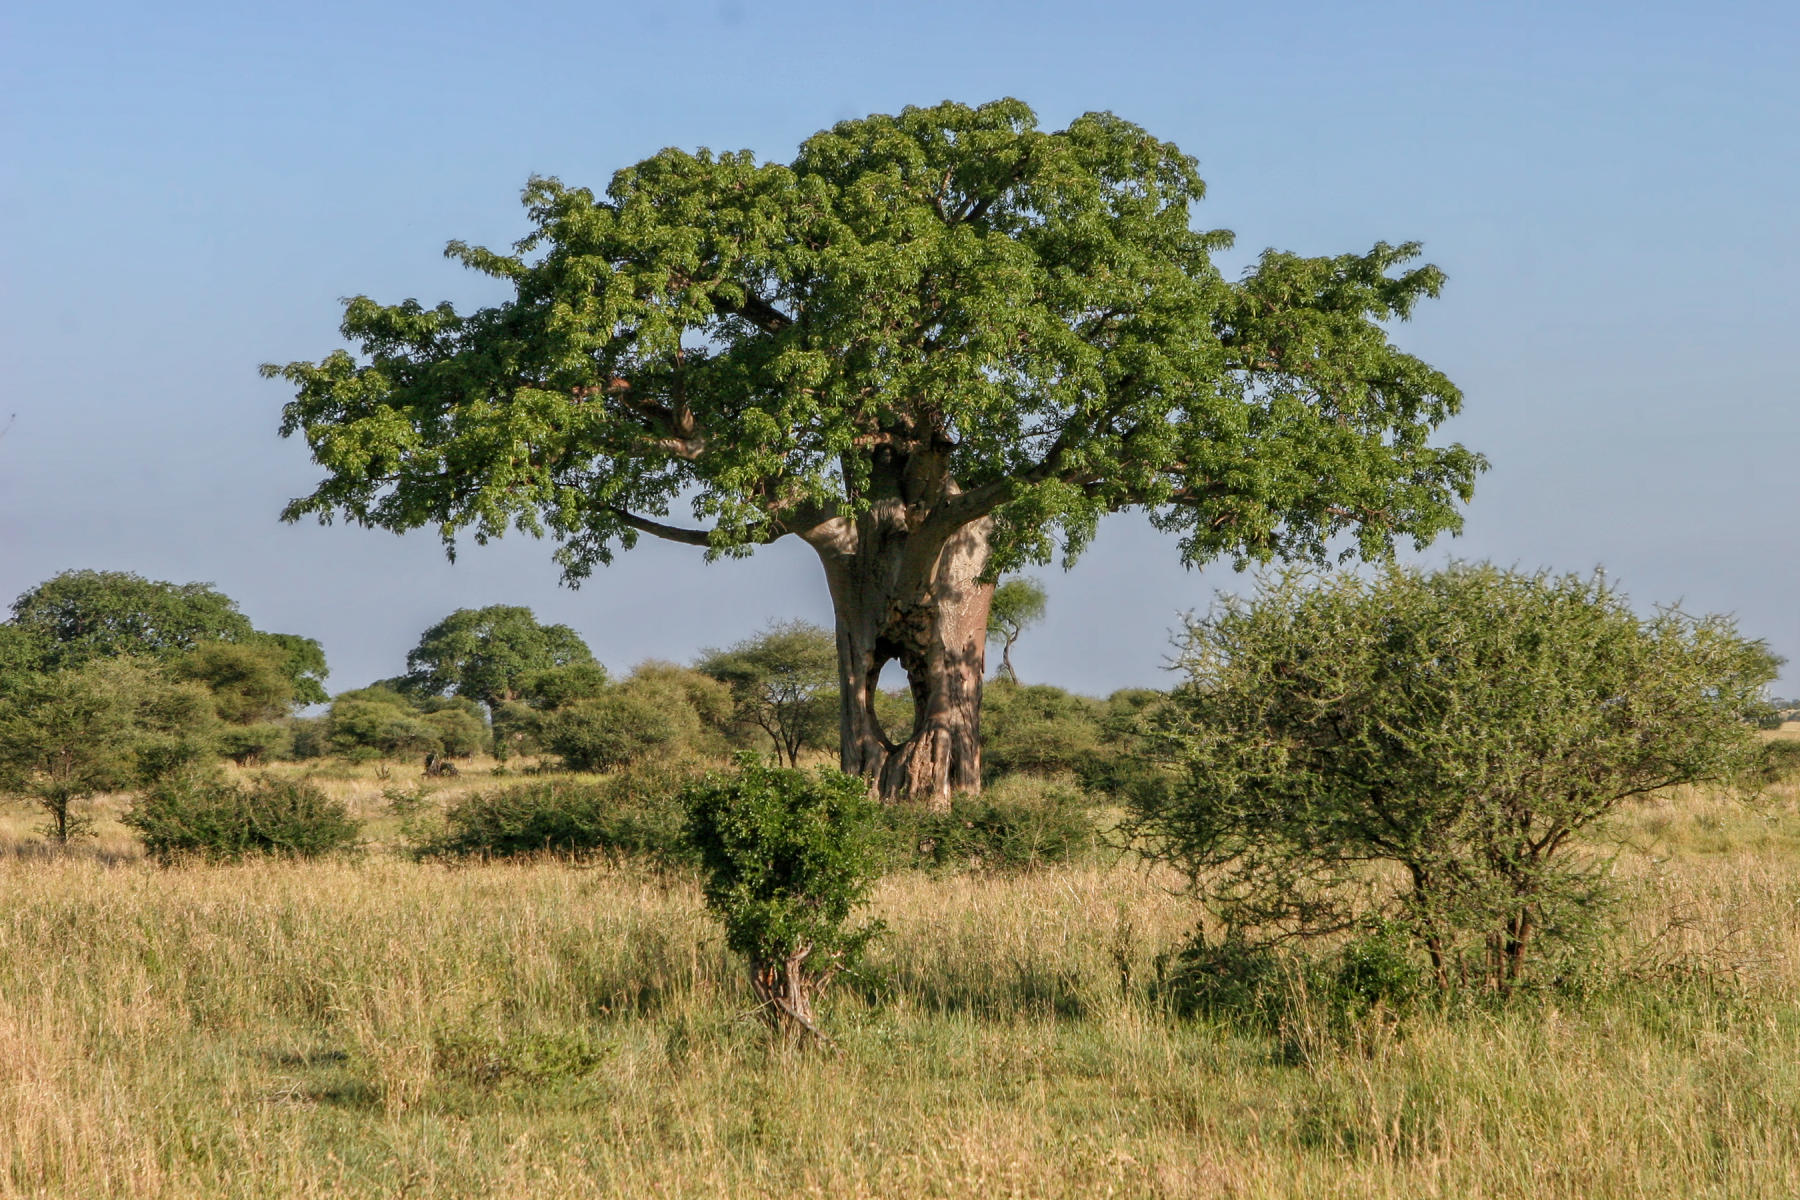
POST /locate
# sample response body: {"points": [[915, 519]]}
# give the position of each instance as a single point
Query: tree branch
{"points": [[754, 309], [672, 533]]}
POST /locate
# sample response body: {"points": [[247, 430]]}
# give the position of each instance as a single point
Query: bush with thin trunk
{"points": [[789, 856], [1427, 750]]}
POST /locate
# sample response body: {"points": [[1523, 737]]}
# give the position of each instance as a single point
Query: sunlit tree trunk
{"points": [[907, 597]]}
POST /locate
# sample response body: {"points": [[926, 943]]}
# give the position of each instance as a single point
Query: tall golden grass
{"points": [[378, 1027]]}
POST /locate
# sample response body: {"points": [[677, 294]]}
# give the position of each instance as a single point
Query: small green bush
{"points": [[1272, 988], [632, 815], [459, 732], [247, 745], [221, 821], [1037, 730], [1015, 825], [611, 732], [379, 723], [1780, 763], [789, 856]]}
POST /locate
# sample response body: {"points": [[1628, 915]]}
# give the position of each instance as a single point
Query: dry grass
{"points": [[376, 1027]]}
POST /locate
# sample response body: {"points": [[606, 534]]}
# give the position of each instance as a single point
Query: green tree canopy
{"points": [[79, 616], [1461, 727], [1018, 604], [101, 614], [486, 654], [782, 681], [933, 345], [250, 681], [109, 724]]}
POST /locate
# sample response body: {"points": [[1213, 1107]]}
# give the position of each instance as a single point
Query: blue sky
{"points": [[188, 189]]}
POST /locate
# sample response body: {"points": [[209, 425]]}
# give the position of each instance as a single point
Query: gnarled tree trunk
{"points": [[913, 596]]}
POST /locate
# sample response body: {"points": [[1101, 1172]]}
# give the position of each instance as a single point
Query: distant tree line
{"points": [[1408, 764]]}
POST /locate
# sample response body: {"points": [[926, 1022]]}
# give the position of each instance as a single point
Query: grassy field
{"points": [[378, 1027]]}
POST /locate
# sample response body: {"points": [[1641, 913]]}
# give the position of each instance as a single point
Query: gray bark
{"points": [[912, 596]]}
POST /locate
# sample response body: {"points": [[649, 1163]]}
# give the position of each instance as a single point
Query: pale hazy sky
{"points": [[188, 189]]}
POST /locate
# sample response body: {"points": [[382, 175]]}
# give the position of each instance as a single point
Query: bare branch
{"points": [[754, 309], [672, 533]]}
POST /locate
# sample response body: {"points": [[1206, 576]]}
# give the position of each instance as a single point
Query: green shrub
{"points": [[247, 745], [662, 713], [460, 733], [611, 732], [1038, 730], [632, 815], [1232, 981], [1122, 764], [1781, 761], [1016, 824], [1272, 988], [1452, 733], [377, 723], [217, 820], [789, 856]]}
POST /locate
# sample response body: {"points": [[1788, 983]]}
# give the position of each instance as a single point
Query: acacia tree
{"points": [[781, 682], [107, 724], [931, 346], [1463, 729], [1017, 605]]}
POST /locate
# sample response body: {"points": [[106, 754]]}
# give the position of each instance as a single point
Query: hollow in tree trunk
{"points": [[917, 598]]}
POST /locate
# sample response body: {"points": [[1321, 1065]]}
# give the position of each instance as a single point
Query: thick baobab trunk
{"points": [[904, 597]]}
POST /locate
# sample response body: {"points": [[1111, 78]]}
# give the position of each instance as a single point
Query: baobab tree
{"points": [[933, 346]]}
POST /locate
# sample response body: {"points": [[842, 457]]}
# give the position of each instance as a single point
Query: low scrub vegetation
{"points": [[1466, 883], [1017, 824], [379, 1027], [219, 820], [634, 815]]}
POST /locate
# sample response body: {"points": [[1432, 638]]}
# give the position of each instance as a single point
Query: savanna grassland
{"points": [[376, 1026]]}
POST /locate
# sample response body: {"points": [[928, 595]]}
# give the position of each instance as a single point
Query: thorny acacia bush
{"points": [[634, 814], [1428, 749], [200, 817], [789, 856]]}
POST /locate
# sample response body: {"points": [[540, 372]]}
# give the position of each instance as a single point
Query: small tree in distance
{"points": [[109, 724], [783, 681], [1428, 749], [1018, 605], [487, 654]]}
